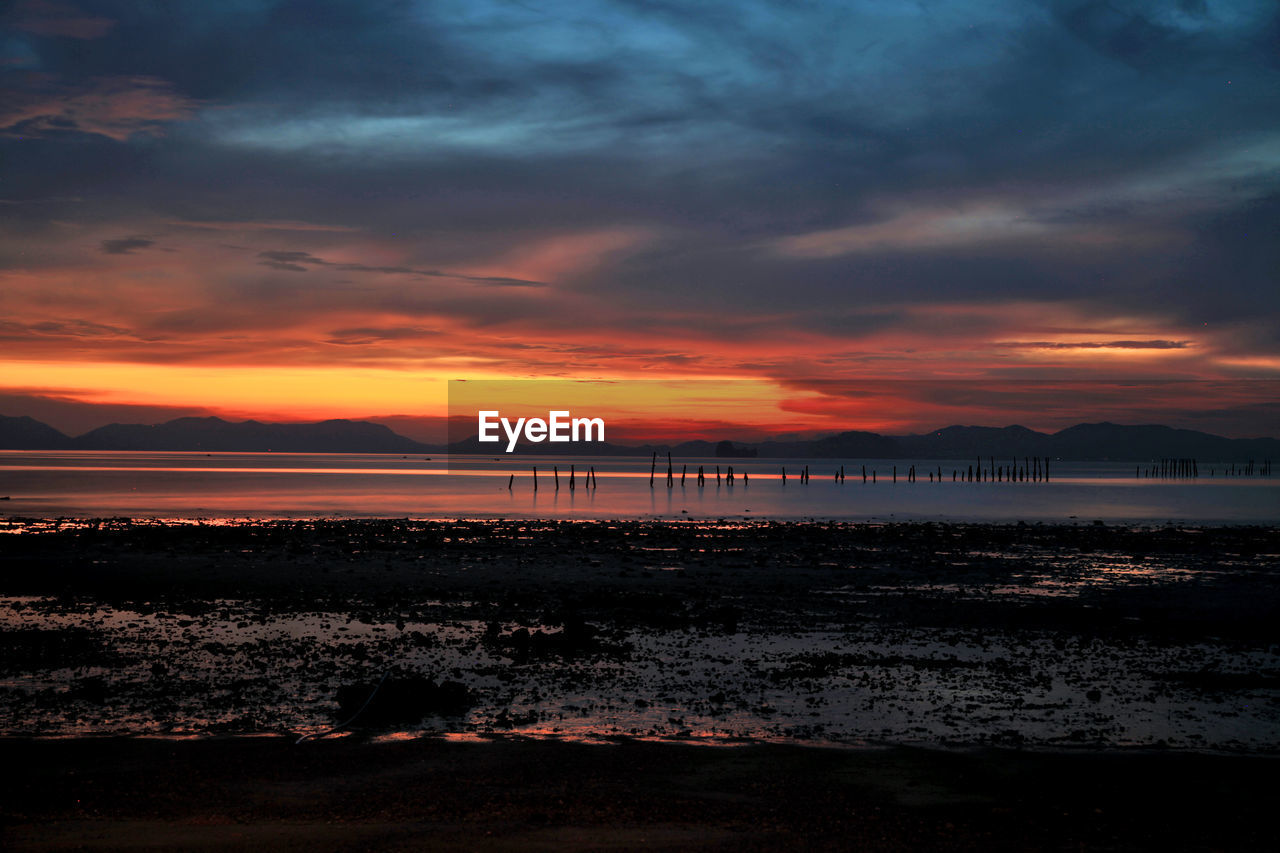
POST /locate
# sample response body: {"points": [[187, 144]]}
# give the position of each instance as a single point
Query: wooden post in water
{"points": [[556, 470], [653, 466], [535, 478], [717, 475], [571, 475], [684, 469], [670, 480], [511, 482]]}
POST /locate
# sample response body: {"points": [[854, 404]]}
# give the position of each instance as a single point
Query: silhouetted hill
{"points": [[1117, 441], [1101, 441], [215, 434], [868, 445], [966, 442], [25, 433]]}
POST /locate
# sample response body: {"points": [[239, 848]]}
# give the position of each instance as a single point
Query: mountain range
{"points": [[1084, 441], [212, 435]]}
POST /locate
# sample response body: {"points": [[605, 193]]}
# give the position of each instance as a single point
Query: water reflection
{"points": [[340, 485]]}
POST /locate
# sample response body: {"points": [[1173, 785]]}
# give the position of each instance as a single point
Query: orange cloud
{"points": [[560, 256], [360, 328], [114, 107]]}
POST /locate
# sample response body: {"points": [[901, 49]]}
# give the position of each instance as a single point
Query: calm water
{"points": [[239, 485]]}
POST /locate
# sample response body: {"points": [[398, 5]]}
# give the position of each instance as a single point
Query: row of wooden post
{"points": [[684, 471], [1168, 469], [589, 479], [1035, 469]]}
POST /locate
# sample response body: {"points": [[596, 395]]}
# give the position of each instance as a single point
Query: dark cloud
{"points": [[57, 19], [71, 328], [292, 261], [125, 245], [1058, 345], [116, 107], [288, 261]]}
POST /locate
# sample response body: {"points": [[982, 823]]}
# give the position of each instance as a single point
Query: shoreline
{"points": [[368, 738]]}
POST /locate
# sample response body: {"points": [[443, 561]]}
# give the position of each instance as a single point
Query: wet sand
{"points": [[1132, 670]]}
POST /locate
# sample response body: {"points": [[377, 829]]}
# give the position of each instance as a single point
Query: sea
{"points": [[194, 485]]}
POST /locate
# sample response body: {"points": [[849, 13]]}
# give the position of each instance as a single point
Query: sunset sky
{"points": [[991, 212]]}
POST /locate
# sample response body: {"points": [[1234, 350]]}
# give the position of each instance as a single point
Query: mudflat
{"points": [[637, 684]]}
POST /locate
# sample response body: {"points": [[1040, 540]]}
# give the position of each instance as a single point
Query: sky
{"points": [[986, 212]]}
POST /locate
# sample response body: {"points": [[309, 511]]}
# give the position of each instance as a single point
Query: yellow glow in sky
{"points": [[307, 393], [321, 392]]}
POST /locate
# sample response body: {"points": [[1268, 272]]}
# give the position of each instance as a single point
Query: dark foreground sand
{"points": [[253, 794], [1166, 591]]}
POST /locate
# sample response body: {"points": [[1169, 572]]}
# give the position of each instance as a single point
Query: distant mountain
{"points": [[1116, 441], [215, 434], [1102, 441], [29, 434], [866, 445], [966, 442]]}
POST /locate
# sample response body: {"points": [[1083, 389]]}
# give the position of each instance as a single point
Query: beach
{"points": [[495, 684]]}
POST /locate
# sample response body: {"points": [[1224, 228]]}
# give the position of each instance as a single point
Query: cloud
{"points": [[1086, 345], [1061, 189], [293, 261], [48, 18], [125, 245], [359, 337], [918, 229], [281, 225], [1136, 211], [117, 107], [69, 328]]}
